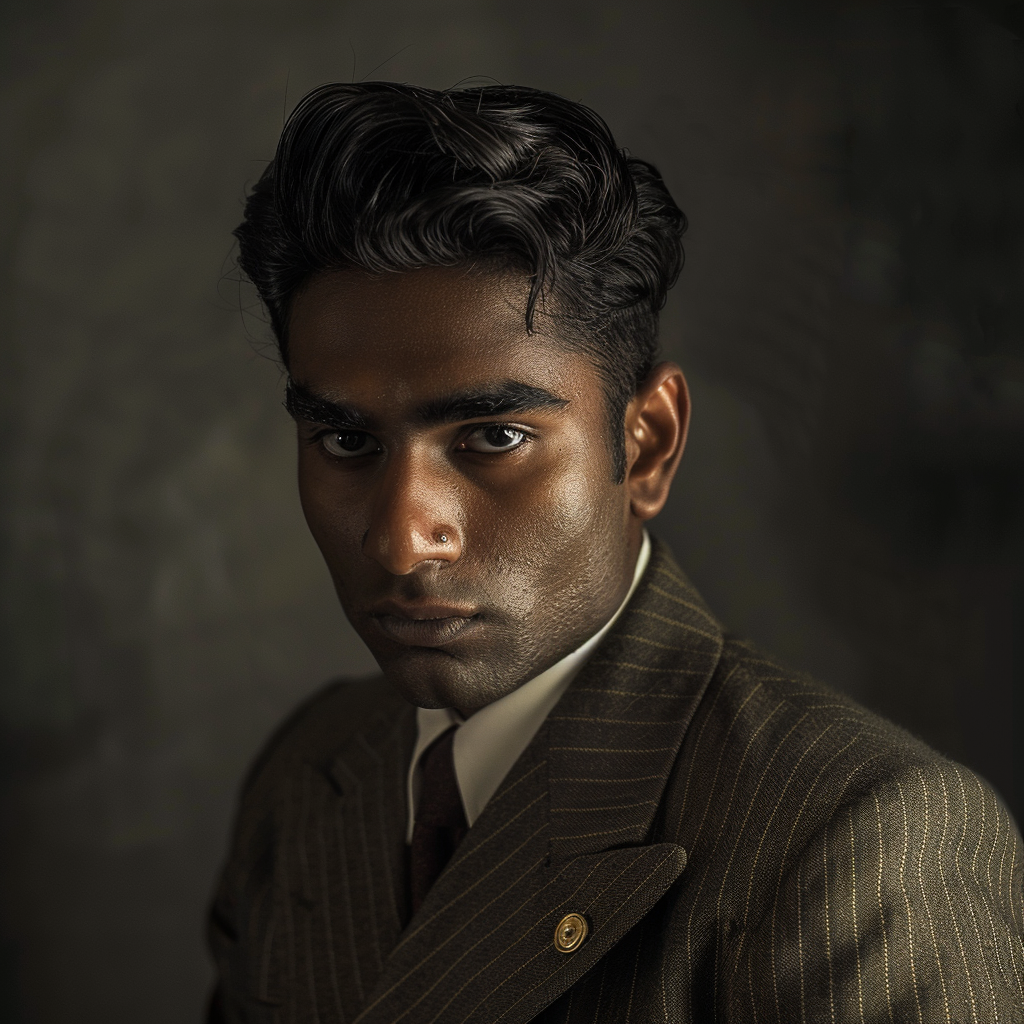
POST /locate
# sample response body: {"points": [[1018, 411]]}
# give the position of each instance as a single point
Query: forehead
{"points": [[422, 330]]}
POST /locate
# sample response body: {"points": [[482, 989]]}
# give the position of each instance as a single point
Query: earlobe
{"points": [[657, 420]]}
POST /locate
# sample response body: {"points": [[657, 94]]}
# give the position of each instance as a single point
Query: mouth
{"points": [[424, 625]]}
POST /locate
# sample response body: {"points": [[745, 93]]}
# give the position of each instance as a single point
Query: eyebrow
{"points": [[303, 404], [508, 396]]}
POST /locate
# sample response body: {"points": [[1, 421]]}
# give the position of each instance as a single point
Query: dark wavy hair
{"points": [[384, 177]]}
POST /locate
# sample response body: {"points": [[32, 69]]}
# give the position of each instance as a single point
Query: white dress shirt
{"points": [[487, 744]]}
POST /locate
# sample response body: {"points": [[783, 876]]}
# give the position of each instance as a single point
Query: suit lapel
{"points": [[563, 833], [615, 734], [345, 874]]}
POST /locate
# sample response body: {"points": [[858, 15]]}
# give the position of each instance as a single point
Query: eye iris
{"points": [[350, 442], [501, 437]]}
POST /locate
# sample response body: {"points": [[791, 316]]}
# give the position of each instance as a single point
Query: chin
{"points": [[430, 678]]}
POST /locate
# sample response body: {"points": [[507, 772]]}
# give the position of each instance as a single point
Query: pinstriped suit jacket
{"points": [[746, 846]]}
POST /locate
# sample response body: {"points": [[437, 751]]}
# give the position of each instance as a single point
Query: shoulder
{"points": [[757, 713], [861, 868], [823, 743], [320, 726], [308, 740], [774, 760], [767, 748], [771, 756], [894, 872]]}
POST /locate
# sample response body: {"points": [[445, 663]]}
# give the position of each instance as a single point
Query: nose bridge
{"points": [[413, 518]]}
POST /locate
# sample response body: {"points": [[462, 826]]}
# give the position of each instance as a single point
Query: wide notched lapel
{"points": [[346, 868], [615, 734], [563, 833]]}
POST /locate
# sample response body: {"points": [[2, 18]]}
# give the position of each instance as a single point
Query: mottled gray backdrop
{"points": [[851, 317]]}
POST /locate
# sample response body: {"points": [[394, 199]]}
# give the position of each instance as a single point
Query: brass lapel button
{"points": [[570, 933]]}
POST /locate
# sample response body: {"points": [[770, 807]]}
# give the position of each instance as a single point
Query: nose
{"points": [[412, 521]]}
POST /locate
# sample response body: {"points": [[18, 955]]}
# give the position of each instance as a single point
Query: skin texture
{"points": [[470, 549]]}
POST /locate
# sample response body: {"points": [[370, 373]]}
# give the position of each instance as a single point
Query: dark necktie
{"points": [[440, 820]]}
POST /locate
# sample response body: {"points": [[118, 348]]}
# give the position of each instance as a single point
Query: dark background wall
{"points": [[851, 316]]}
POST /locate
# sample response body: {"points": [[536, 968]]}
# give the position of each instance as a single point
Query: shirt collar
{"points": [[489, 743]]}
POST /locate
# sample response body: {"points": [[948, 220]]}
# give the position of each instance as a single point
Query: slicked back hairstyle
{"points": [[384, 177]]}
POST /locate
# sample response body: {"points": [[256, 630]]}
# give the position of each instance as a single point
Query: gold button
{"points": [[570, 933]]}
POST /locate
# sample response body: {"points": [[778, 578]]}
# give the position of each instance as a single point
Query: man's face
{"points": [[456, 473]]}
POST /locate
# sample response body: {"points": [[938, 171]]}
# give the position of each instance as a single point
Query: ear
{"points": [[657, 420]]}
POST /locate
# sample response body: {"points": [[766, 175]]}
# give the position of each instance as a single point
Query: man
{"points": [[570, 797]]}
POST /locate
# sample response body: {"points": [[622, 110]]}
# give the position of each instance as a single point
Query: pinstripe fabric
{"points": [[747, 846]]}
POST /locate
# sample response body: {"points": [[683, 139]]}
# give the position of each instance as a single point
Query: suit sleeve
{"points": [[907, 906]]}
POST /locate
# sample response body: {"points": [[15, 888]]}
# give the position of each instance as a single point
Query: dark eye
{"points": [[494, 438], [346, 444]]}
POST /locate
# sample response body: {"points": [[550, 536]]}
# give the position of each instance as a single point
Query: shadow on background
{"points": [[851, 314]]}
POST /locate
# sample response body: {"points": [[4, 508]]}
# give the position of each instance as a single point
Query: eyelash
{"points": [[316, 439], [525, 437]]}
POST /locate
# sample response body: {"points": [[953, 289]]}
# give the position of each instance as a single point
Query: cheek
{"points": [[539, 506], [579, 493], [332, 511], [552, 536]]}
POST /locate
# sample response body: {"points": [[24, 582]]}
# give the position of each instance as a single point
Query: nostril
{"points": [[400, 546]]}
